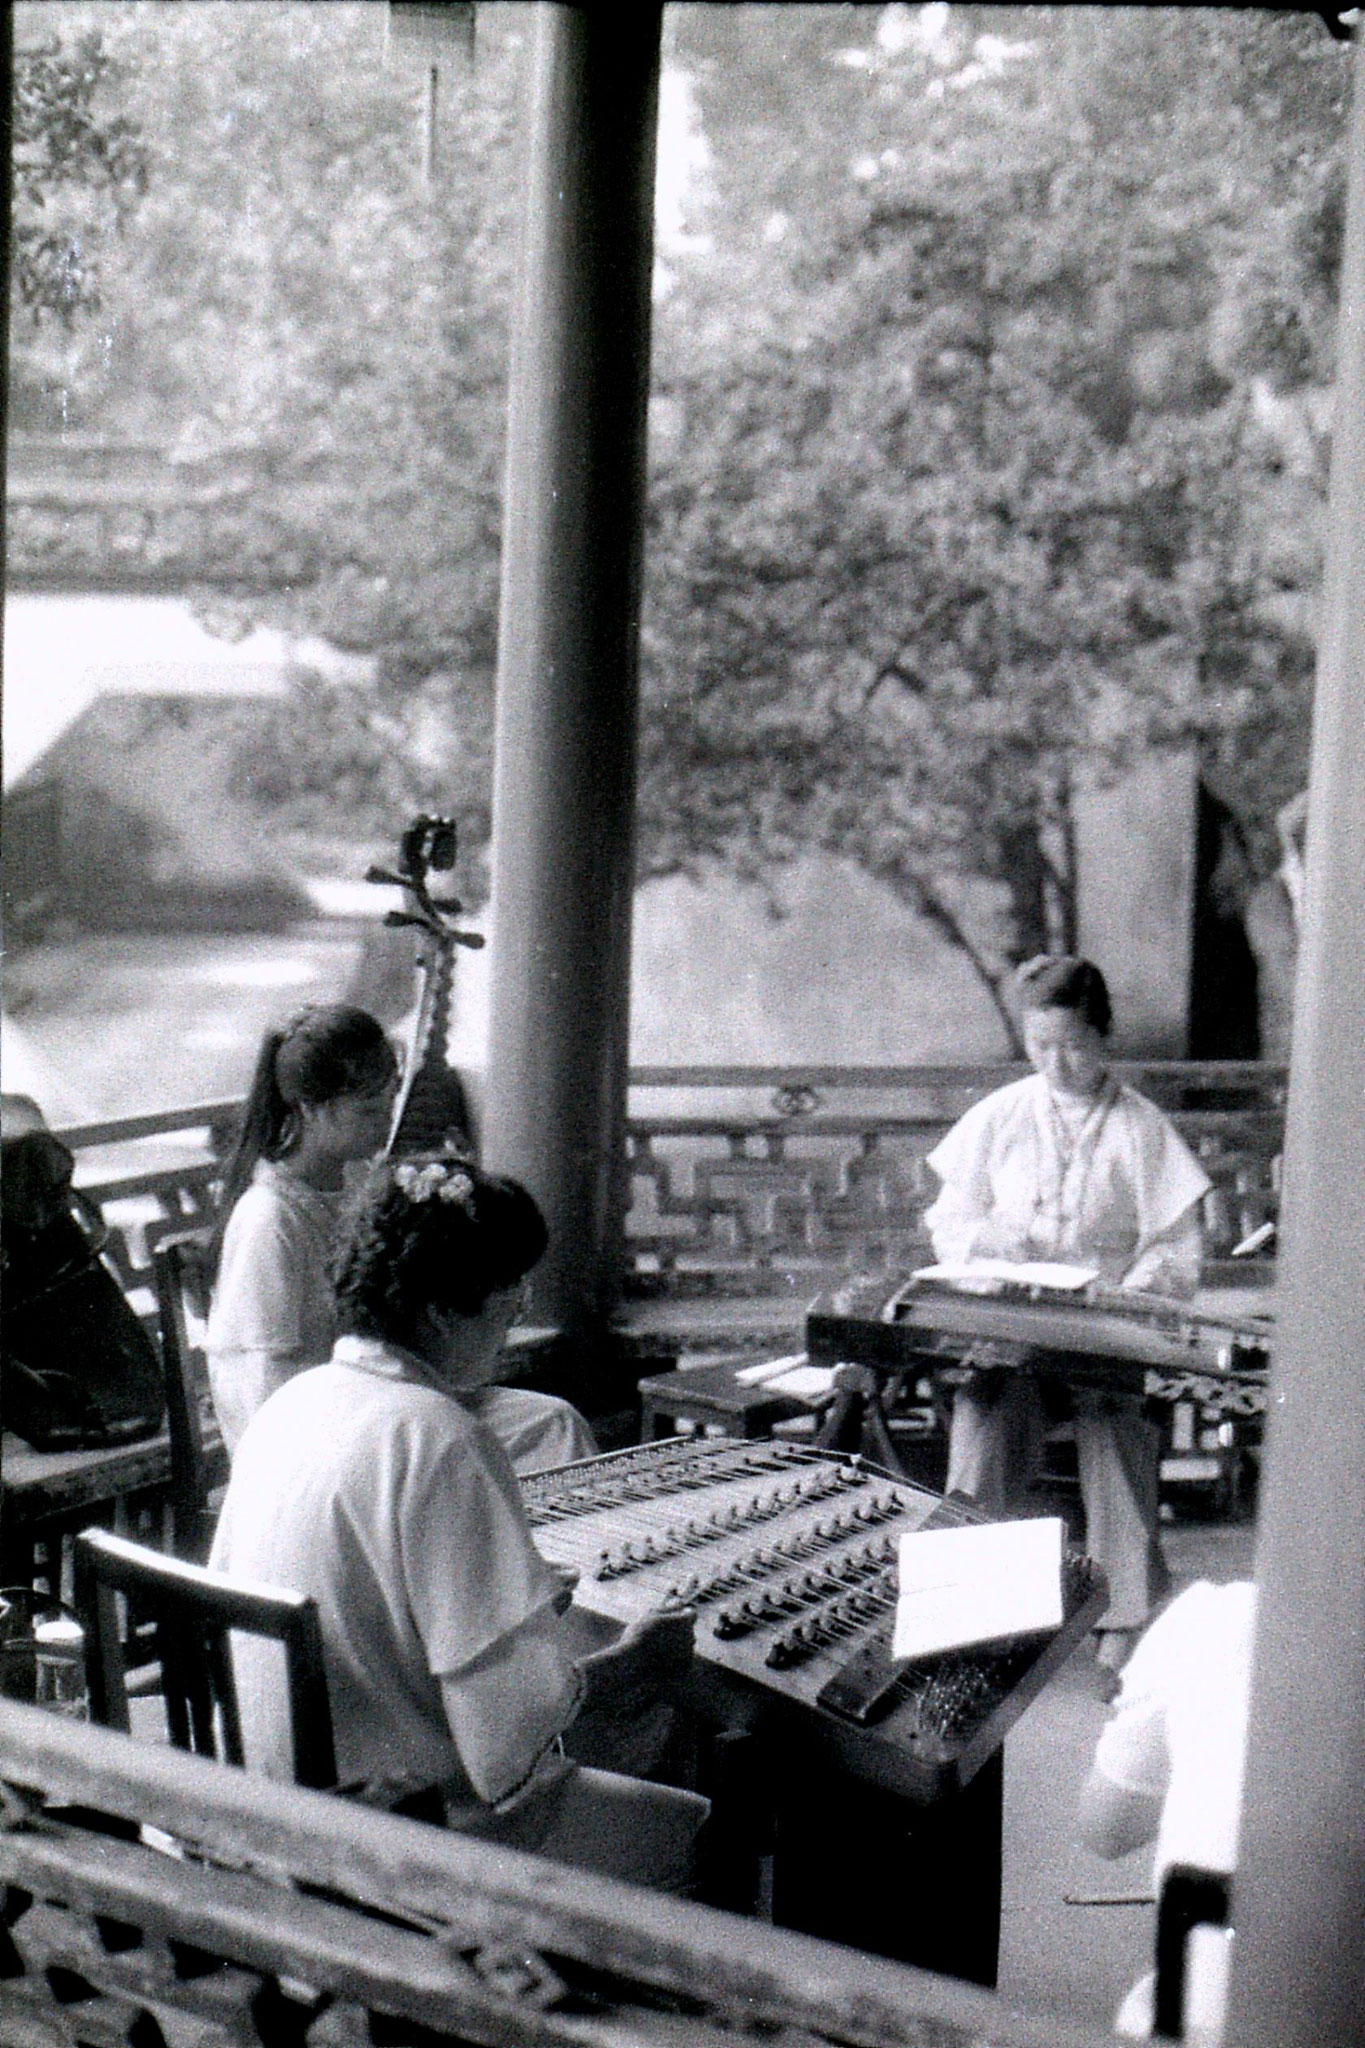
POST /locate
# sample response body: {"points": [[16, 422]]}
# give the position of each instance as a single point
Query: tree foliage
{"points": [[964, 348], [78, 171], [962, 514]]}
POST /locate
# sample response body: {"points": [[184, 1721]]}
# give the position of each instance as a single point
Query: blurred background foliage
{"points": [[992, 387]]}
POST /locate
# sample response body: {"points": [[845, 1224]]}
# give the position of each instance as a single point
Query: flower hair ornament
{"points": [[437, 1182]]}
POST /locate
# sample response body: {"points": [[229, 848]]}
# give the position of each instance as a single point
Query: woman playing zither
{"points": [[1071, 1165]]}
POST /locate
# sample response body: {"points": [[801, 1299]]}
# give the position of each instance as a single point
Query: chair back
{"points": [[1190, 1898], [180, 1267], [192, 1613]]}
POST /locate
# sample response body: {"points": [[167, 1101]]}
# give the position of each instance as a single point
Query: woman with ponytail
{"points": [[321, 1096], [321, 1099]]}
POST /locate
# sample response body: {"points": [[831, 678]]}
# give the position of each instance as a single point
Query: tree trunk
{"points": [[1025, 870]]}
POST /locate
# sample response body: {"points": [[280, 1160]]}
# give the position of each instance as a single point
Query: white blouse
{"points": [[1113, 1184], [273, 1311]]}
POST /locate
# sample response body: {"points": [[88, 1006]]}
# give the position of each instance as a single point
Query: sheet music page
{"points": [[986, 1274], [964, 1586]]}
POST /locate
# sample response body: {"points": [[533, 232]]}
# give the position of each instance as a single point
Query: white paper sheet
{"points": [[987, 1274], [795, 1376], [768, 1369], [803, 1382], [975, 1585]]}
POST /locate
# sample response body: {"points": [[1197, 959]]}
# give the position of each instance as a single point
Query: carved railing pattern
{"points": [[741, 1178], [153, 1176], [218, 1908]]}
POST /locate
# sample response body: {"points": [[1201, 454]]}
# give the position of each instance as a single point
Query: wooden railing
{"points": [[156, 1897], [744, 1179]]}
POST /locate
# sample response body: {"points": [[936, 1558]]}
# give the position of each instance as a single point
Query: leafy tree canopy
{"points": [[967, 326], [961, 505], [78, 169]]}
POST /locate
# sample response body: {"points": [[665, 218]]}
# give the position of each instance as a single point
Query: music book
{"points": [[977, 1585], [986, 1275]]}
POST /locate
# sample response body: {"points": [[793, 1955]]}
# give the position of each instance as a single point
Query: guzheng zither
{"points": [[1140, 1343]]}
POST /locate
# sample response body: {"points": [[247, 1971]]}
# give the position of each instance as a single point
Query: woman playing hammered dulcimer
{"points": [[1070, 1164]]}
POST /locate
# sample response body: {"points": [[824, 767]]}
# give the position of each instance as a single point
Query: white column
{"points": [[1299, 1965]]}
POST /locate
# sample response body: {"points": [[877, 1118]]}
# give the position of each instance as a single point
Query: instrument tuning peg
{"points": [[396, 917], [378, 874], [474, 940]]}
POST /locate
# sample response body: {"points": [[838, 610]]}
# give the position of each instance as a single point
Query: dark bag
{"points": [[80, 1372]]}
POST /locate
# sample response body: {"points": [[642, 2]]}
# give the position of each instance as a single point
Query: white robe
{"points": [[1125, 1199], [1112, 1185]]}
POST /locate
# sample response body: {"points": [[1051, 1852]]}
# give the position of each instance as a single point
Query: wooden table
{"points": [[713, 1394], [49, 1495]]}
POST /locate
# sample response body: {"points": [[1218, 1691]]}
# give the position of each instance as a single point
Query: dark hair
{"points": [[431, 1233], [323, 1052], [1063, 981]]}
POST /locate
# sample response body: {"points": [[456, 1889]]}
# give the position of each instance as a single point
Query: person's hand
{"points": [[646, 1661], [563, 1599]]}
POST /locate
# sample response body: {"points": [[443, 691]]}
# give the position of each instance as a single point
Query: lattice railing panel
{"points": [[769, 1201], [739, 1176]]}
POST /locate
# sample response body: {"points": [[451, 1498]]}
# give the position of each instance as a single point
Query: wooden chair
{"points": [[192, 1613], [1190, 1898], [180, 1268]]}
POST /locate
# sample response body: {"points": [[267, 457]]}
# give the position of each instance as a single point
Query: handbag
{"points": [[80, 1372]]}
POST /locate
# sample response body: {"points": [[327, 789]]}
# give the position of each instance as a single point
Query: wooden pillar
{"points": [[1299, 1904], [564, 779], [6, 214]]}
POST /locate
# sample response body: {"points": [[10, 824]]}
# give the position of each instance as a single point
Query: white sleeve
{"points": [[1132, 1751], [1170, 1180], [257, 1297], [256, 1337], [1169, 1263], [961, 1159], [954, 1224], [1134, 1746], [505, 1710]]}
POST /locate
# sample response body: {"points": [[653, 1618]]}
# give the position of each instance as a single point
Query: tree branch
{"points": [[946, 922]]}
